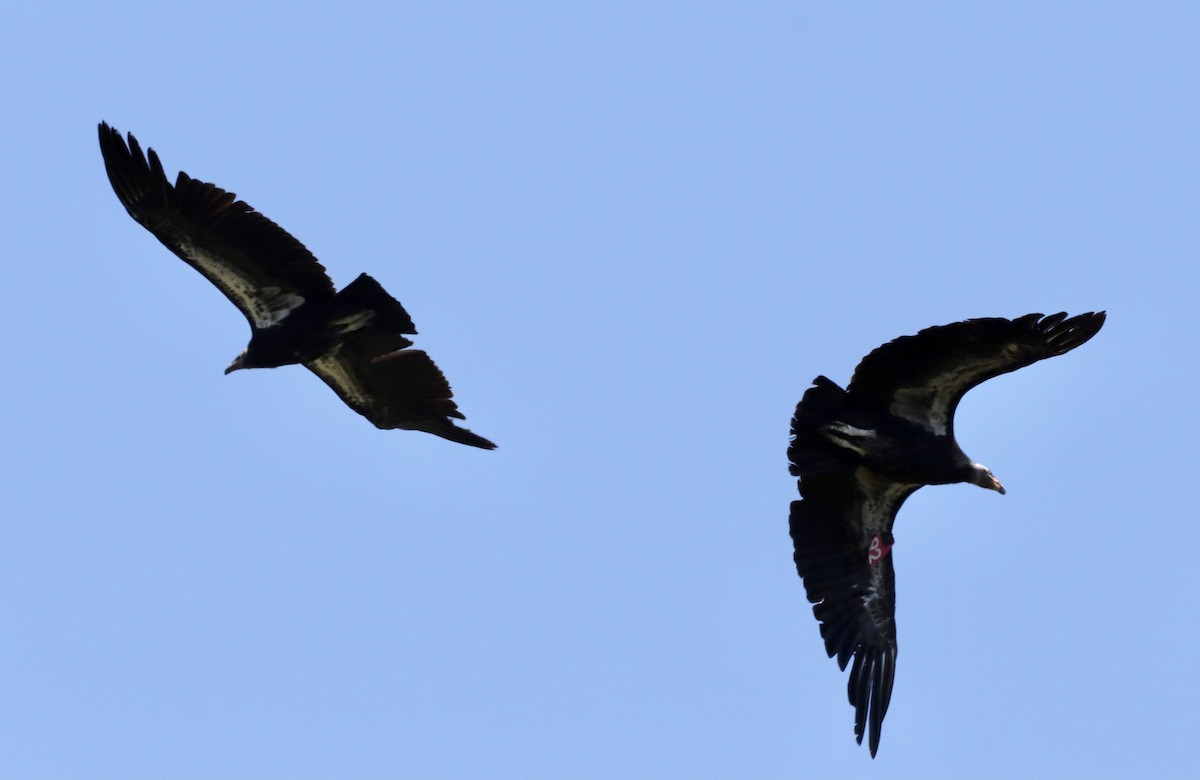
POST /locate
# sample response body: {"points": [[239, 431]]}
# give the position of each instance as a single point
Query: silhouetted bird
{"points": [[351, 339], [860, 452]]}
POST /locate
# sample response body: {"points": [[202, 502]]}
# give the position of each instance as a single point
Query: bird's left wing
{"points": [[394, 387]]}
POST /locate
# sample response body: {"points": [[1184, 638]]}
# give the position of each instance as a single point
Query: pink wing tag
{"points": [[877, 550]]}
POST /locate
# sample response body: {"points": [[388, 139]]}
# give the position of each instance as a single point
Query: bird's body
{"points": [[860, 452], [354, 339]]}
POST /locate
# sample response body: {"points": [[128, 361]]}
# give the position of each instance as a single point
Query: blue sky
{"points": [[630, 234]]}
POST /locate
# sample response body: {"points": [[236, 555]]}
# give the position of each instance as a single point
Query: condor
{"points": [[352, 339], [860, 452]]}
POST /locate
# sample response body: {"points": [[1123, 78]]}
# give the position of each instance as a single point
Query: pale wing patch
{"points": [[848, 436], [334, 372], [353, 322], [879, 499], [914, 404], [876, 592], [274, 305], [929, 405], [265, 307]]}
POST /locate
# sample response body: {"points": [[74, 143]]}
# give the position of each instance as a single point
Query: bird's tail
{"points": [[364, 303], [809, 453]]}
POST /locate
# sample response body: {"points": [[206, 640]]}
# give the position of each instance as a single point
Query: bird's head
{"points": [[981, 475]]}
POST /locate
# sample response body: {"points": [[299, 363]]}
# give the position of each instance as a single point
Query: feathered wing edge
{"points": [[236, 248], [924, 376], [399, 389]]}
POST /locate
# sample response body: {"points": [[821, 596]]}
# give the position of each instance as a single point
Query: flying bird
{"points": [[860, 452], [352, 339]]}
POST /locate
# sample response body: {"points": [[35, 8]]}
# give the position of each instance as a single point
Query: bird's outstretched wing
{"points": [[394, 387], [922, 378], [259, 266], [842, 532]]}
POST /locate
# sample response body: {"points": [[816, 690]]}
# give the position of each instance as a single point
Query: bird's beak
{"points": [[238, 362], [986, 479]]}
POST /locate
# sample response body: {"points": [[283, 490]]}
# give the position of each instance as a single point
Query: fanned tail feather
{"points": [[364, 302], [808, 453]]}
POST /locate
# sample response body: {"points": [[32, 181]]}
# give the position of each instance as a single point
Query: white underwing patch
{"points": [[266, 307], [334, 372], [847, 436], [353, 322], [273, 306], [846, 429], [880, 498], [916, 406]]}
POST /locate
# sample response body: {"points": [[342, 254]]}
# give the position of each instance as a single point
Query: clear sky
{"points": [[630, 234]]}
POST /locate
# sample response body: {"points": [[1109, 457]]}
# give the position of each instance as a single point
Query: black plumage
{"points": [[860, 452], [352, 339]]}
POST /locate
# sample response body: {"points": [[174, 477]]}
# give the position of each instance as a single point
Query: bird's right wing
{"points": [[842, 532], [259, 266]]}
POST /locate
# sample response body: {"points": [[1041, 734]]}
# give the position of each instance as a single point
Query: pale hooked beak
{"points": [[986, 479]]}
